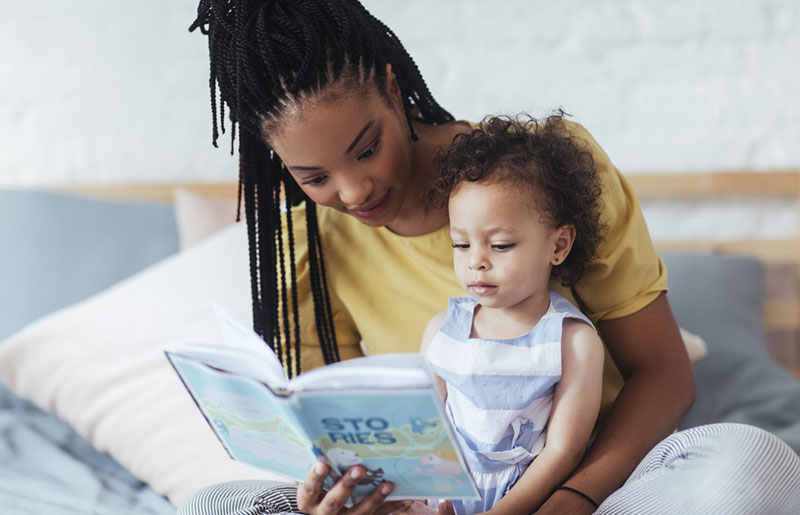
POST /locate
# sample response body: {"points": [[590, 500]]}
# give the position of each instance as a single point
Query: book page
{"points": [[234, 360], [400, 370], [398, 436], [255, 426], [238, 336]]}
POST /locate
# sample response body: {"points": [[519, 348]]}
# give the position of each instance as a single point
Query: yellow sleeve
{"points": [[347, 335], [627, 273]]}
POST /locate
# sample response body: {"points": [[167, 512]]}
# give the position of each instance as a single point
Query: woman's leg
{"points": [[242, 498], [713, 469]]}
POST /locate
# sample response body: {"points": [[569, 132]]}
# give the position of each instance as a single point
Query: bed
{"points": [[97, 281]]}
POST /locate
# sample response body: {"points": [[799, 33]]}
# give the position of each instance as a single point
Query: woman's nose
{"points": [[355, 192]]}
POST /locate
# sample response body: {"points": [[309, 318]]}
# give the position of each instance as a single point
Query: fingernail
{"points": [[386, 489], [356, 473], [319, 469]]}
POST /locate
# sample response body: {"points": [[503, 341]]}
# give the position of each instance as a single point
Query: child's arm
{"points": [[575, 406], [434, 324]]}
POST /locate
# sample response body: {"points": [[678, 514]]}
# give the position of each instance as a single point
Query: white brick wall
{"points": [[94, 91]]}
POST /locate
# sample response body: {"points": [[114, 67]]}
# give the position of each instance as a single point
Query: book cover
{"points": [[382, 412]]}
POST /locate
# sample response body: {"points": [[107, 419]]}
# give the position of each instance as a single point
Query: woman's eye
{"points": [[316, 181], [371, 150], [461, 246], [502, 246]]}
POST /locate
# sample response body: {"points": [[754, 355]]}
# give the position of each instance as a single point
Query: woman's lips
{"points": [[373, 210], [482, 288]]}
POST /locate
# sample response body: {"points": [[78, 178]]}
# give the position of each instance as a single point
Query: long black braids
{"points": [[263, 57]]}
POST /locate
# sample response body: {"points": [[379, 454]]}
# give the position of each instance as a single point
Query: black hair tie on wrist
{"points": [[570, 489]]}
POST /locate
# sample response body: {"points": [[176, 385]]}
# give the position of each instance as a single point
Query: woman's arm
{"points": [[575, 406], [659, 389]]}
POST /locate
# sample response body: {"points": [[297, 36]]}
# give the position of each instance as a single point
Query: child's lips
{"points": [[482, 288]]}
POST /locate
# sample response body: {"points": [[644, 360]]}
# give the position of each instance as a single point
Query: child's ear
{"points": [[563, 238]]}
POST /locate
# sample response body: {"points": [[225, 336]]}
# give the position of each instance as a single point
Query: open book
{"points": [[382, 412]]}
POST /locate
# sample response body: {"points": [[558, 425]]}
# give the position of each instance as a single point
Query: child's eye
{"points": [[371, 150], [461, 246], [502, 246], [316, 181]]}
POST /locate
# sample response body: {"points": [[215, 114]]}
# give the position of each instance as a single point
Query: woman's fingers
{"points": [[312, 498], [335, 499], [310, 491], [373, 504]]}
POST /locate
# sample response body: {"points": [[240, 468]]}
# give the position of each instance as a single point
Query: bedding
{"points": [[97, 364], [56, 250], [721, 299], [46, 468]]}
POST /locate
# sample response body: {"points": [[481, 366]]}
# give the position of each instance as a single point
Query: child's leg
{"points": [[718, 468], [243, 498]]}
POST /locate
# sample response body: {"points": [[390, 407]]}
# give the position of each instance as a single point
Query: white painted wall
{"points": [[96, 91]]}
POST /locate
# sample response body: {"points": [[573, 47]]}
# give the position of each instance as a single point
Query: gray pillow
{"points": [[58, 249], [721, 299]]}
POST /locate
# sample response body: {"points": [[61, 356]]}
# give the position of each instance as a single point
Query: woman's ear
{"points": [[563, 238], [392, 87]]}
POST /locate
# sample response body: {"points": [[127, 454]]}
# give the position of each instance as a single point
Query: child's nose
{"points": [[478, 261]]}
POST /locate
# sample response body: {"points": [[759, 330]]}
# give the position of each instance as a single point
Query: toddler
{"points": [[519, 365]]}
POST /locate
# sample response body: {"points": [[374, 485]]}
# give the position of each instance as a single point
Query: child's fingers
{"points": [[446, 508], [390, 507]]}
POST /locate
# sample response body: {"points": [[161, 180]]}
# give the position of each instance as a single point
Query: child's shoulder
{"points": [[459, 311], [567, 310], [436, 321], [580, 341], [434, 324]]}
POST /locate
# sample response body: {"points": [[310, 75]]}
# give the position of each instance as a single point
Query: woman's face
{"points": [[353, 154]]}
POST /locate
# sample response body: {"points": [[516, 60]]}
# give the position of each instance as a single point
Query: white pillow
{"points": [[199, 216], [99, 365], [695, 345]]}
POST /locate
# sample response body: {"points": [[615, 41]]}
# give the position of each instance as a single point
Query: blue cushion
{"points": [[57, 249], [721, 299]]}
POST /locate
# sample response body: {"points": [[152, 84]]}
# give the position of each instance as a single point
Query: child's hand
{"points": [[415, 508], [446, 508]]}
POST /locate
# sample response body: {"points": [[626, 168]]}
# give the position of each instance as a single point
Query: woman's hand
{"points": [[313, 499]]}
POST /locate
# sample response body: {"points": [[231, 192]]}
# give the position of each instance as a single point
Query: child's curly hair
{"points": [[558, 168]]}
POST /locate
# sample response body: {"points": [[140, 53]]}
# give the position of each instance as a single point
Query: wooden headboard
{"points": [[780, 256]]}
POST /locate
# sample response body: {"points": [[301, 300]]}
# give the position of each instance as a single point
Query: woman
{"points": [[334, 113]]}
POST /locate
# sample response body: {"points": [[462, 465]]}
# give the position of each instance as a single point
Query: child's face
{"points": [[502, 250]]}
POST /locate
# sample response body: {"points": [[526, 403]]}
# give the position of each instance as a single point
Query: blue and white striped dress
{"points": [[499, 393]]}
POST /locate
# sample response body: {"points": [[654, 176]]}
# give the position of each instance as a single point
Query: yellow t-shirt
{"points": [[384, 288]]}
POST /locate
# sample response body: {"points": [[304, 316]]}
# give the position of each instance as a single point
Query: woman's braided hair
{"points": [[265, 57]]}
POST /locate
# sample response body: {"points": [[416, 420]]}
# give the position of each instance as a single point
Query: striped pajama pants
{"points": [[714, 469]]}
